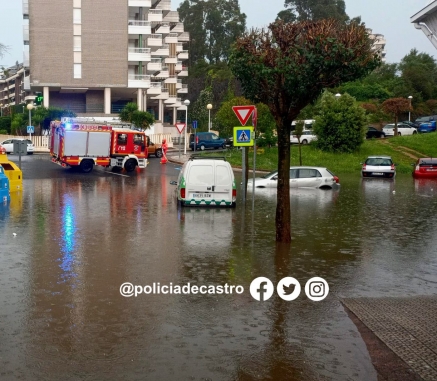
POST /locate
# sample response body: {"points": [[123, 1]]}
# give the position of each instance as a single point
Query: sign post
{"points": [[254, 122], [195, 129], [180, 127], [244, 137], [30, 130]]}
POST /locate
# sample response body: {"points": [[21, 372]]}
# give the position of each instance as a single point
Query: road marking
{"points": [[117, 174]]}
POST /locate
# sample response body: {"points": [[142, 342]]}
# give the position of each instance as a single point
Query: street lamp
{"points": [[186, 103], [209, 107], [338, 95], [30, 107], [409, 111]]}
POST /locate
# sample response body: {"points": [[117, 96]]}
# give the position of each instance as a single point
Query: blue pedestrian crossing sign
{"points": [[243, 136], [30, 129]]}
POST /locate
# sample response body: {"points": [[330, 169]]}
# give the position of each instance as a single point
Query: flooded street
{"points": [[79, 237]]}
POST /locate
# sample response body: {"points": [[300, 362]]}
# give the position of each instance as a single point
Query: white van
{"points": [[206, 181]]}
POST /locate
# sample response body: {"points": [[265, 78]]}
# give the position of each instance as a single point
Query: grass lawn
{"points": [[345, 162]]}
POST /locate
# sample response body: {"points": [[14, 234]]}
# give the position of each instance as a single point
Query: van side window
{"points": [[214, 137]]}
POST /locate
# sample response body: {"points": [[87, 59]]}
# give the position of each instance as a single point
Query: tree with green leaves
{"points": [[341, 125], [131, 114], [287, 66], [199, 111], [213, 26], [395, 107], [302, 10]]}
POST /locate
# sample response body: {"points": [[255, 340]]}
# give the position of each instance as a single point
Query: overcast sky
{"points": [[388, 17]]}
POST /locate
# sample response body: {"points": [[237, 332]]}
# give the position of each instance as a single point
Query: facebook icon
{"points": [[261, 289]]}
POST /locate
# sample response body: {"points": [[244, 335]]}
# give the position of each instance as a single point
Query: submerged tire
{"points": [[130, 165], [86, 166]]}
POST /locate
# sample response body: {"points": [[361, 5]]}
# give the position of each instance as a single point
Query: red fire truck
{"points": [[84, 145]]}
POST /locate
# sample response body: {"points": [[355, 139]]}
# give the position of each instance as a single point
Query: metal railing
{"points": [[139, 23], [139, 77], [140, 50]]}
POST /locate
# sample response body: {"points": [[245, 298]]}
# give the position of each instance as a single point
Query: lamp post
{"points": [[30, 107], [338, 95], [186, 103], [209, 107], [1, 109], [409, 111]]}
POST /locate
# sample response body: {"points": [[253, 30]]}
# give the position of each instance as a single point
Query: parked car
{"points": [[206, 181], [154, 148], [300, 177], [427, 127], [9, 145], [425, 168], [378, 166], [425, 119], [412, 124], [403, 129], [372, 132], [206, 140], [307, 137], [229, 141]]}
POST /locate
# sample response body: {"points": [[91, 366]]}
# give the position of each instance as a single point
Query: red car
{"points": [[425, 168]]}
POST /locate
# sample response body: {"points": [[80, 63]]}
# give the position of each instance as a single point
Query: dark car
{"points": [[372, 132], [206, 140], [425, 168], [412, 124]]}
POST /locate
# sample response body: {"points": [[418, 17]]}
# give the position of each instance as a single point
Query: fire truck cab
{"points": [[85, 145]]}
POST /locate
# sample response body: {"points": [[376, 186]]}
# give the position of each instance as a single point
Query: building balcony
{"points": [[138, 81], [171, 60], [179, 84], [184, 72], [172, 16], [155, 15], [164, 94], [178, 28], [162, 51], [178, 66], [165, 5], [171, 79], [183, 89], [140, 3], [139, 27], [171, 38], [154, 65], [179, 47], [139, 55], [155, 88], [183, 55], [26, 32], [25, 7], [26, 61], [184, 37], [163, 74], [26, 83], [154, 40], [162, 29]]}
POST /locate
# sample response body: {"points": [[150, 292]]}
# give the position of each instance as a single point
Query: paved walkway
{"points": [[408, 326]]}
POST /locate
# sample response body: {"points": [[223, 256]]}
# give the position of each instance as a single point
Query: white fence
{"points": [[41, 143]]}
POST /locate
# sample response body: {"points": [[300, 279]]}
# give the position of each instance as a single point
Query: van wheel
{"points": [[158, 153], [86, 166], [202, 147], [224, 146], [130, 165]]}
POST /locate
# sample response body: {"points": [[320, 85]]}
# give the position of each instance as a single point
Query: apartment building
{"points": [[14, 86], [93, 57], [378, 44]]}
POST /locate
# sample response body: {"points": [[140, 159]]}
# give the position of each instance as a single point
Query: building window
{"points": [[25, 17], [77, 16], [77, 71], [77, 43], [26, 42]]}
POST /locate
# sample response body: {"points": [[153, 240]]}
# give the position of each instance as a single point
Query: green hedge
{"points": [[5, 124]]}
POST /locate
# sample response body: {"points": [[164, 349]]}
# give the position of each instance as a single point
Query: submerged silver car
{"points": [[300, 177], [378, 166]]}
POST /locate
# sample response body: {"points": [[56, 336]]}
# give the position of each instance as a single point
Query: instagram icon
{"points": [[317, 289]]}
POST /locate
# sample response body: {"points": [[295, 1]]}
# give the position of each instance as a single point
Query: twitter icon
{"points": [[288, 288]]}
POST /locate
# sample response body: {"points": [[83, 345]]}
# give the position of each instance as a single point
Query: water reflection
{"points": [[80, 237]]}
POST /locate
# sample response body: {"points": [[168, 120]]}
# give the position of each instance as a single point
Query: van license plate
{"points": [[202, 195]]}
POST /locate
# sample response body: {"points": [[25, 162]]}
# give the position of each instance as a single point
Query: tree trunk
{"points": [[396, 125], [300, 154], [283, 214]]}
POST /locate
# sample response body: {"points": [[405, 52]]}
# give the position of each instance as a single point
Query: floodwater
{"points": [[80, 237]]}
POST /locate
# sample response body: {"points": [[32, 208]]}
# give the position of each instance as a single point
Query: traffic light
{"points": [[38, 99]]}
